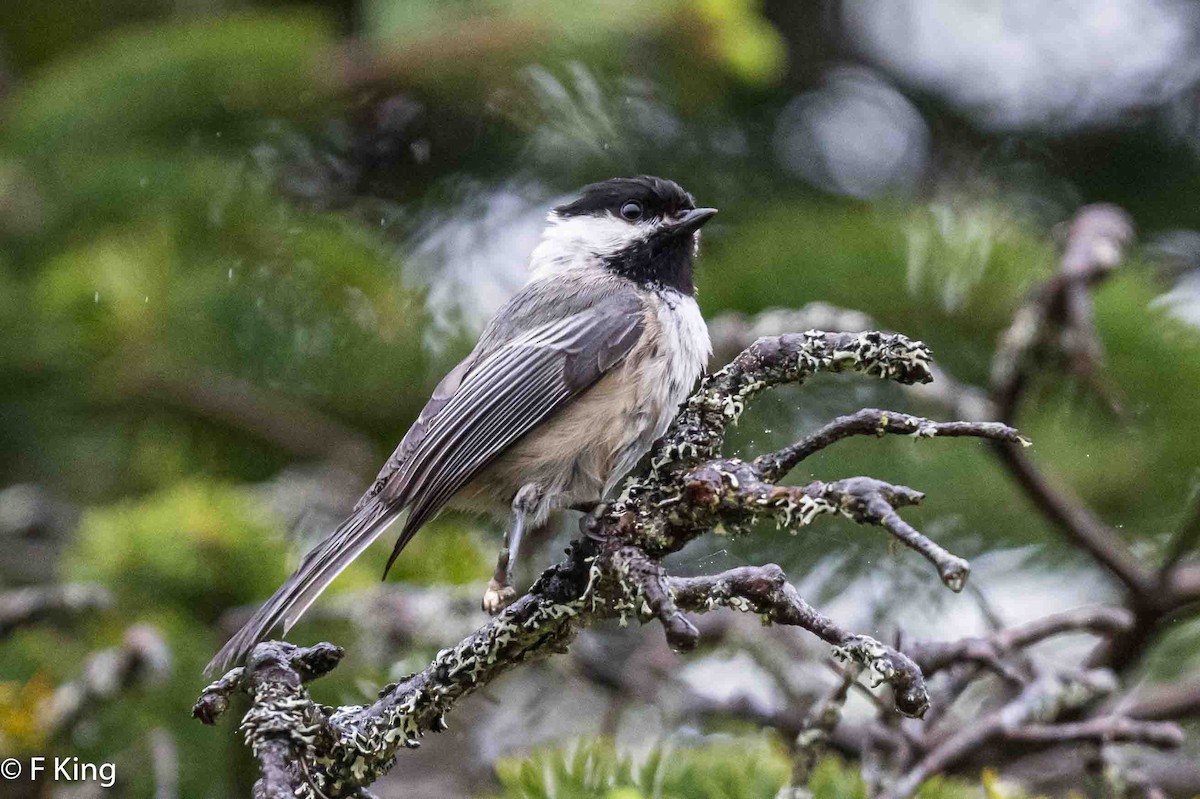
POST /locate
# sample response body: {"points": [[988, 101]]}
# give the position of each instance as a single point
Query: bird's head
{"points": [[642, 228]]}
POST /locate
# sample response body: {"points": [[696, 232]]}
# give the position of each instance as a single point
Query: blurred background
{"points": [[240, 241]]}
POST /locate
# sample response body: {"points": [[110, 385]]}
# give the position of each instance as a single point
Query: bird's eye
{"points": [[631, 211]]}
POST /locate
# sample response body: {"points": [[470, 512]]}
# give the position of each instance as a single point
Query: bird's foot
{"points": [[589, 523], [497, 597]]}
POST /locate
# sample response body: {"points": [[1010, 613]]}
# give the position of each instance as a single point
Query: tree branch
{"points": [[614, 571], [1104, 730], [1185, 540], [766, 591], [873, 422], [1081, 527], [1039, 703], [936, 656]]}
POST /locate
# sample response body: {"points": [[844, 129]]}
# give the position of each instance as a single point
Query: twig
{"points": [[933, 657], [1081, 527], [1105, 729], [765, 590], [873, 422], [1174, 701], [818, 726], [736, 489], [1058, 316], [733, 332]]}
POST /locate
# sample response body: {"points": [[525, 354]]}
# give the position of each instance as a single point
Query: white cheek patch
{"points": [[582, 241]]}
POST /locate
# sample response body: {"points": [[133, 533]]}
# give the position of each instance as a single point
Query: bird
{"points": [[569, 385]]}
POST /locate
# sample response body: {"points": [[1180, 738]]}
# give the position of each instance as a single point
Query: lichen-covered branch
{"points": [[873, 422], [1054, 330], [614, 571], [818, 726], [765, 590]]}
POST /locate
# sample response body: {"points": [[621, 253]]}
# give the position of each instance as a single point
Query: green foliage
{"points": [[732, 769], [154, 249], [199, 546], [718, 768], [949, 276], [752, 49], [146, 252], [147, 85], [465, 46]]}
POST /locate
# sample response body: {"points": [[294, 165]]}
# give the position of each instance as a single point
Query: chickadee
{"points": [[568, 387]]}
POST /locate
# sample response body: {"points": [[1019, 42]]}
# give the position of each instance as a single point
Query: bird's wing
{"points": [[442, 394], [482, 407], [507, 394]]}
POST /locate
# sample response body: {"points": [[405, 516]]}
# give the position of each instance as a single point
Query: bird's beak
{"points": [[692, 221]]}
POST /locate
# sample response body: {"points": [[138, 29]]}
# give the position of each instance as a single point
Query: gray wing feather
{"points": [[441, 395], [523, 383], [485, 404], [317, 569]]}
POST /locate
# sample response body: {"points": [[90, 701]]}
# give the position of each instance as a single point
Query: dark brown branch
{"points": [[1058, 318], [1041, 702], [933, 657], [765, 590], [873, 422], [1081, 527], [1170, 702], [1102, 730]]}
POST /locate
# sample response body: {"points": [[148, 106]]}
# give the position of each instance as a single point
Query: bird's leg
{"points": [[500, 592]]}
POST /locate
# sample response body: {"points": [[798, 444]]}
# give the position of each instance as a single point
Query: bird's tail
{"points": [[316, 571]]}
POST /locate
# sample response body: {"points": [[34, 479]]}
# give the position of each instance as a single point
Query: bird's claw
{"points": [[497, 597]]}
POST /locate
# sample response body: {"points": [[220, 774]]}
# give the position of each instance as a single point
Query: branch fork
{"points": [[615, 571]]}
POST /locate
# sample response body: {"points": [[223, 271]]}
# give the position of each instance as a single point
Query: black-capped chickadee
{"points": [[569, 385]]}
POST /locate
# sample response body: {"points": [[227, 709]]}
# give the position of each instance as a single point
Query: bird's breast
{"points": [[581, 452]]}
